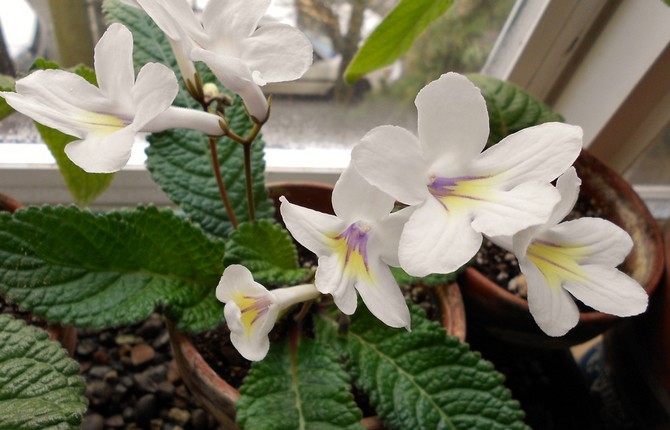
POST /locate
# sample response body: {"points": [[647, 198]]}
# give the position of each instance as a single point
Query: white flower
{"points": [[574, 258], [251, 310], [355, 247], [460, 193], [243, 49], [106, 118]]}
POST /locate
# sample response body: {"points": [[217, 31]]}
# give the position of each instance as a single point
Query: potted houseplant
{"points": [[505, 314], [224, 246]]}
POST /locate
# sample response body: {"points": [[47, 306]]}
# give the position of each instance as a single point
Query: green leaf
{"points": [[84, 187], [180, 160], [403, 277], [77, 267], [40, 386], [510, 108], [6, 84], [424, 379], [297, 386], [395, 35], [267, 250]]}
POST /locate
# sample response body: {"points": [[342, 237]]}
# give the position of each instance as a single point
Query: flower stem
{"points": [[219, 181], [249, 182]]}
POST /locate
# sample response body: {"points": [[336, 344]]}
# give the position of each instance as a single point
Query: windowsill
{"points": [[29, 174]]}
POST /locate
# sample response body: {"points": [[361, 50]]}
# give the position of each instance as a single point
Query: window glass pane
{"points": [[653, 167], [317, 111]]}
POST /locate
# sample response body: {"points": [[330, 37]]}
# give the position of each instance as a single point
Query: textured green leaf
{"points": [[510, 108], [84, 187], [180, 160], [395, 35], [100, 270], [297, 387], [40, 386], [6, 84], [403, 277], [425, 379], [267, 250]]}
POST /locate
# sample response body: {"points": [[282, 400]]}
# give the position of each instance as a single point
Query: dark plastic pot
{"points": [[506, 316], [217, 395]]}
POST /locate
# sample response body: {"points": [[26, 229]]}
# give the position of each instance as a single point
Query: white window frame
{"points": [[582, 57]]}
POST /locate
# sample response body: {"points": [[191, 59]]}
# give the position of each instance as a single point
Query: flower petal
{"points": [[278, 51], [505, 213], [382, 296], [437, 241], [102, 153], [553, 309], [57, 99], [386, 236], [591, 241], [233, 19], [453, 120], [314, 230], [175, 18], [114, 69], [609, 290], [154, 92], [237, 279], [253, 346], [568, 185], [539, 153], [331, 278], [237, 77], [391, 159], [354, 199]]}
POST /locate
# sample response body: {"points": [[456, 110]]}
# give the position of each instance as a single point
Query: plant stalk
{"points": [[219, 181]]}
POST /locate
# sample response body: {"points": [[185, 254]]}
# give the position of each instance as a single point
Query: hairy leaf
{"points": [[6, 84], [424, 379], [298, 386], [510, 108], [432, 280], [40, 386], [100, 270], [395, 35], [84, 187], [267, 250], [180, 160]]}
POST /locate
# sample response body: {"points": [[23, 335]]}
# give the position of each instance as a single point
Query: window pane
{"points": [[317, 112], [653, 168]]}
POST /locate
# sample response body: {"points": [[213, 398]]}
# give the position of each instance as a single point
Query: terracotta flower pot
{"points": [[506, 316], [66, 335], [217, 395]]}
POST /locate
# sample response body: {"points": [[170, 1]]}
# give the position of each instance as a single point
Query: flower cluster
{"points": [[453, 192]]}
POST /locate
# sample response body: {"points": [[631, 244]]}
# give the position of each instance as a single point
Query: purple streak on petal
{"points": [[447, 187], [356, 237], [261, 304]]}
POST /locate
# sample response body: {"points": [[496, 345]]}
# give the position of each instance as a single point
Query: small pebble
{"points": [[115, 421], [180, 416], [86, 347], [147, 408], [141, 354], [99, 372], [98, 392], [93, 422]]}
